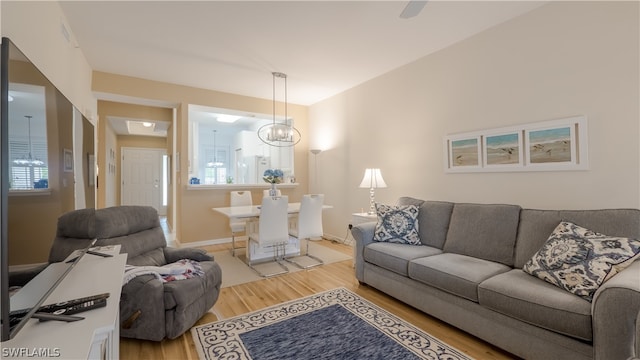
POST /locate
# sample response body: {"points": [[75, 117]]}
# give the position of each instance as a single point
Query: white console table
{"points": [[95, 337]]}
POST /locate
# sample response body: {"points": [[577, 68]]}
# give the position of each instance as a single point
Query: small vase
{"points": [[273, 191]]}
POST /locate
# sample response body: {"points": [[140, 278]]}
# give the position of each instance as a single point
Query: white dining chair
{"points": [[238, 198], [272, 231], [308, 226]]}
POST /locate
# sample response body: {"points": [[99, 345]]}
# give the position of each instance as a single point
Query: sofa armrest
{"points": [[363, 235], [616, 312], [174, 254]]}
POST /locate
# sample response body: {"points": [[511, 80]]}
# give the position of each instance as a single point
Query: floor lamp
{"points": [[372, 179], [315, 153]]}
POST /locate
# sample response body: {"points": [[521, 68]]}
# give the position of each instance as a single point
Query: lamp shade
{"points": [[372, 179]]}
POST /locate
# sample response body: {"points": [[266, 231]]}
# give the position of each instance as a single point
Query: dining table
{"points": [[251, 213]]}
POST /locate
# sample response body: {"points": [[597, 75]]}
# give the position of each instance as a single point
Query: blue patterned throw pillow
{"points": [[579, 260], [397, 224]]}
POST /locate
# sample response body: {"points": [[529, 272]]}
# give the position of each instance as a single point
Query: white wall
{"points": [[35, 27], [560, 60]]}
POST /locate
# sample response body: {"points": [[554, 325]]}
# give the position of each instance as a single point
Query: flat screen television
{"points": [[38, 179]]}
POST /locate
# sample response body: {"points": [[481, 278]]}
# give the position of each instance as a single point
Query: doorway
{"points": [[143, 178]]}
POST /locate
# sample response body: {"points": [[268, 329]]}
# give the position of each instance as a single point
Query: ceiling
{"points": [[324, 47]]}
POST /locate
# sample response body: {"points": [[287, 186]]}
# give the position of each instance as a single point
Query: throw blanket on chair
{"points": [[179, 270]]}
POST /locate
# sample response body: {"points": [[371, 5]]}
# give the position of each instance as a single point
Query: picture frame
{"points": [[503, 149], [464, 152], [67, 160], [555, 145]]}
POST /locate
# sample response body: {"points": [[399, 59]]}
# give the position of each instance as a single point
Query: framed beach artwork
{"points": [[557, 145], [543, 146], [551, 146], [464, 153], [502, 149]]}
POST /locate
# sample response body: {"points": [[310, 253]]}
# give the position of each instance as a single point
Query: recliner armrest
{"points": [[174, 254], [142, 310]]}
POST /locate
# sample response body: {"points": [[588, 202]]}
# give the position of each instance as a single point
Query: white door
{"points": [[142, 180]]}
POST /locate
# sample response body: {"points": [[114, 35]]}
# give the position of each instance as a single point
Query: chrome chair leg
{"points": [[233, 245], [298, 264], [277, 258]]}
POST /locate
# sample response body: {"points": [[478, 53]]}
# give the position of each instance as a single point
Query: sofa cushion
{"points": [[125, 220], [136, 228], [483, 231], [454, 273], [140, 244], [580, 260], [75, 230], [396, 257], [536, 225], [524, 297], [397, 224], [433, 217], [153, 257]]}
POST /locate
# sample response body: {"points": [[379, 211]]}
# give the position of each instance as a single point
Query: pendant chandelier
{"points": [[279, 134], [28, 161], [215, 163]]}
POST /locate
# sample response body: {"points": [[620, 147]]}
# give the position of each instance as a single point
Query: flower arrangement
{"points": [[273, 176]]}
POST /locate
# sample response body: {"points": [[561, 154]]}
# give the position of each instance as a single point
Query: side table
{"points": [[363, 217]]}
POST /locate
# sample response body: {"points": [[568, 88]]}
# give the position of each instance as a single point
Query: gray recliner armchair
{"points": [[149, 308]]}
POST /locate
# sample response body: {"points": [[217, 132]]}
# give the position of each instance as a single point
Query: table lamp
{"points": [[372, 179]]}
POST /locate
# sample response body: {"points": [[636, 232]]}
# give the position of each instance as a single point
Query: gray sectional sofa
{"points": [[467, 271]]}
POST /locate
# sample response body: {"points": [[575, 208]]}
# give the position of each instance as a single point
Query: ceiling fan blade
{"points": [[412, 9]]}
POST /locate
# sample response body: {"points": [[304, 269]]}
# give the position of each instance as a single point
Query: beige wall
{"points": [[561, 60], [195, 221]]}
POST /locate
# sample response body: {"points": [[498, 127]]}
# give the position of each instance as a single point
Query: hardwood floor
{"points": [[243, 298]]}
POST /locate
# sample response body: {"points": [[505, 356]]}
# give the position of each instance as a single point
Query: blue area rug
{"points": [[335, 324]]}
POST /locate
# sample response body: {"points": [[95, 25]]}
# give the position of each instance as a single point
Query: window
{"points": [[28, 161], [240, 157], [25, 175], [216, 166]]}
